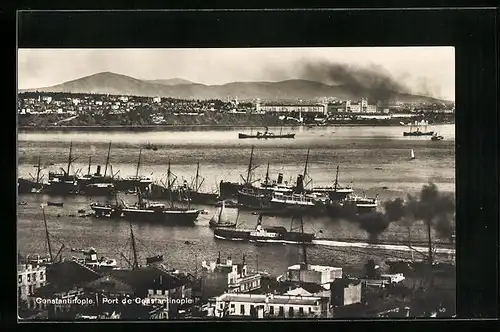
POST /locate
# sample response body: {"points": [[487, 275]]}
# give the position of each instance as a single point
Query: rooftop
{"points": [[272, 299], [319, 268]]}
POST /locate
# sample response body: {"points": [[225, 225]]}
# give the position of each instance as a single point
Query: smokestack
{"points": [[98, 170], [280, 178], [300, 184]]}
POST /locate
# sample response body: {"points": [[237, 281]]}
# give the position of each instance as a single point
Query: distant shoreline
{"points": [[197, 126]]}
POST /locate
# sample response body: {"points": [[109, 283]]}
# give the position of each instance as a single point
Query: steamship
{"points": [[271, 234]]}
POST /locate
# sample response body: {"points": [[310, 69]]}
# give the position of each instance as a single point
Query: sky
{"points": [[424, 70]]}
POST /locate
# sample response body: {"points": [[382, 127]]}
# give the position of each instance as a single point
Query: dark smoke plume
{"points": [[430, 206], [374, 83], [374, 223]]}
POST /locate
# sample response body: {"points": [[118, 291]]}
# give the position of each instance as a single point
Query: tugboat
{"points": [[266, 135], [437, 137], [261, 234], [362, 204]]}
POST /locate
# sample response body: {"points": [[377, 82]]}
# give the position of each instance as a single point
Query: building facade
{"points": [[317, 274], [306, 108], [228, 277], [268, 306], [29, 278], [345, 292]]}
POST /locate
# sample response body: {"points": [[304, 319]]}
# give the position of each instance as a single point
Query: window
{"points": [[41, 275], [34, 276], [19, 291], [290, 312], [232, 306], [20, 279], [310, 309], [271, 310], [29, 277], [222, 305], [281, 311], [242, 309], [158, 292], [301, 310]]}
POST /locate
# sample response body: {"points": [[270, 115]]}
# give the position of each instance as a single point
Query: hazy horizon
{"points": [[428, 71]]}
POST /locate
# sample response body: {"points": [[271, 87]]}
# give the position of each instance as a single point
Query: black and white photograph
{"points": [[260, 183]]}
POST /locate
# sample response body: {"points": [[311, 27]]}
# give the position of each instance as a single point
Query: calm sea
{"points": [[374, 160]]}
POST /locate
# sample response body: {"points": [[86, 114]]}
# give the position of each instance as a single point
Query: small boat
{"points": [[220, 219], [436, 137], [55, 204], [412, 154], [22, 203], [154, 259], [92, 261], [81, 210]]}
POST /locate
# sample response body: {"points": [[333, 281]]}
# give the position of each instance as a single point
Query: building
{"points": [[227, 277], [150, 286], [345, 292], [268, 306], [29, 278], [293, 108], [156, 99], [64, 282], [360, 106], [317, 274]]}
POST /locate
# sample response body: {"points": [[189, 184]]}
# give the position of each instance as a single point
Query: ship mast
{"points": [[47, 234], [90, 162], [304, 249], [169, 184], [249, 172], [197, 176], [134, 251], [267, 174], [107, 160], [138, 165], [70, 158], [336, 179]]}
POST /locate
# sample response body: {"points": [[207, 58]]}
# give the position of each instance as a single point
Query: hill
{"points": [[111, 83]]}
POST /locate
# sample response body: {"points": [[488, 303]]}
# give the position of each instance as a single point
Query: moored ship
{"points": [[335, 192]]}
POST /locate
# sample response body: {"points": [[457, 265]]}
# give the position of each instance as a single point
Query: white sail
{"points": [[215, 217], [412, 154]]}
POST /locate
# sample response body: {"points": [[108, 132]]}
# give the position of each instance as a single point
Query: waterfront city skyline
{"points": [[426, 71]]}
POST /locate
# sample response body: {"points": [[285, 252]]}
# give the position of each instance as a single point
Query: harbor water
{"points": [[373, 160]]}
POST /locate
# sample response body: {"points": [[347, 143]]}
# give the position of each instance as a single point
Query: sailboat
{"points": [[220, 219], [412, 154], [132, 182]]}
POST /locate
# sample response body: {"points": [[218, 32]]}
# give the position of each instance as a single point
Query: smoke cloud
{"points": [[431, 206], [373, 82]]}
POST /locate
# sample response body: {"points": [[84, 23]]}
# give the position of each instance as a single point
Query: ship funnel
{"points": [[98, 172], [280, 178], [300, 183]]}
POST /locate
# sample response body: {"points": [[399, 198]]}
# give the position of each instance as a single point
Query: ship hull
{"points": [[106, 210], [243, 136], [249, 235], [182, 217], [418, 133], [229, 189]]}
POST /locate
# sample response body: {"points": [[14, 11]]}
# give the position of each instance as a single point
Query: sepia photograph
{"points": [[261, 183]]}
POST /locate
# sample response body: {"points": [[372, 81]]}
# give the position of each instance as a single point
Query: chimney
{"points": [[280, 178], [300, 184]]}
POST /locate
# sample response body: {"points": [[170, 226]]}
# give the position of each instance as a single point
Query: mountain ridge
{"points": [[113, 83]]}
